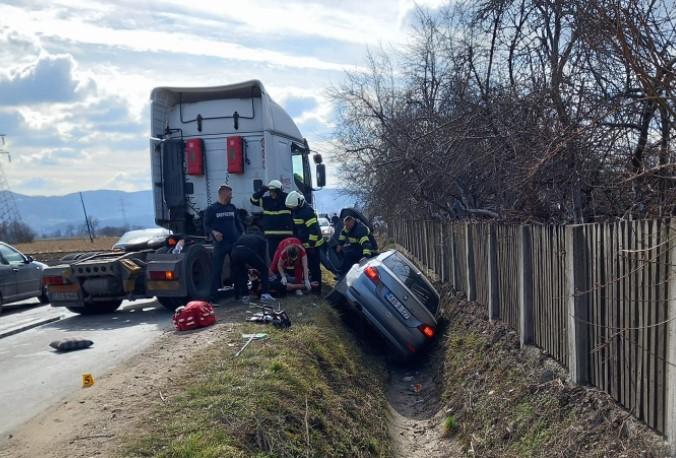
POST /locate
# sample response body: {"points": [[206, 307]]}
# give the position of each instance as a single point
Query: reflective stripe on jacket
{"points": [[277, 221], [306, 227]]}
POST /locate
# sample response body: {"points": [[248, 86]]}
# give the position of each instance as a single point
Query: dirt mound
{"points": [[512, 402]]}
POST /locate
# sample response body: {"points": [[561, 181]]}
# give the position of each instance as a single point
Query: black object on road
{"points": [[71, 344]]}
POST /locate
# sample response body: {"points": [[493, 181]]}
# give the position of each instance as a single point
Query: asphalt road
{"points": [[33, 376]]}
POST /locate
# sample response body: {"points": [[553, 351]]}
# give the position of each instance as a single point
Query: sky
{"points": [[76, 75]]}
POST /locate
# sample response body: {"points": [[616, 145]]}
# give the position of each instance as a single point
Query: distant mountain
{"points": [[47, 214]]}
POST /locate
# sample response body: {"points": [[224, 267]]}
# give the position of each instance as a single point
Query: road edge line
{"points": [[28, 326]]}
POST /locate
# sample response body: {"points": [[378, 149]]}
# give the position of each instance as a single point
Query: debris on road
{"points": [[71, 344]]}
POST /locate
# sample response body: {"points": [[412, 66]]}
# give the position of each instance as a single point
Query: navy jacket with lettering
{"points": [[224, 219]]}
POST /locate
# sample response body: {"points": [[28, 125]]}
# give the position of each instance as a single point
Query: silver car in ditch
{"points": [[395, 298]]}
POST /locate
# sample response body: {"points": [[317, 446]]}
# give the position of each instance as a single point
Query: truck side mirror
{"points": [[320, 175]]}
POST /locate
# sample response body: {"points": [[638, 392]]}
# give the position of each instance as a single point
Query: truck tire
{"points": [[172, 303], [197, 277], [44, 299], [198, 272], [97, 308]]}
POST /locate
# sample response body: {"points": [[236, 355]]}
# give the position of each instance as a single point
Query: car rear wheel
{"points": [[97, 308]]}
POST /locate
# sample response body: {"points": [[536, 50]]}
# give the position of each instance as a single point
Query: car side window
{"points": [[10, 255]]}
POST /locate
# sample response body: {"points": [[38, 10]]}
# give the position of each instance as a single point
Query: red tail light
{"points": [[372, 274], [54, 280], [427, 330], [162, 275]]}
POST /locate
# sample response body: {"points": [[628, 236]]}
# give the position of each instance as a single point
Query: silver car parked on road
{"points": [[395, 298], [20, 276]]}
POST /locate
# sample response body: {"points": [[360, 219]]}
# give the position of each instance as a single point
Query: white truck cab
{"points": [[235, 134], [200, 138]]}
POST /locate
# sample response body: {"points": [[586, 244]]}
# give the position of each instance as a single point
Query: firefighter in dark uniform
{"points": [[306, 228], [277, 221], [357, 235]]}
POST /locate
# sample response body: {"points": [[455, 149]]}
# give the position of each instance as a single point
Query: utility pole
{"points": [[124, 213], [89, 227], [9, 212]]}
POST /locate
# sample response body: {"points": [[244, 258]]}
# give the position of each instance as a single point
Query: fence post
{"points": [[670, 397], [525, 287], [493, 279], [469, 261], [578, 305], [452, 258]]}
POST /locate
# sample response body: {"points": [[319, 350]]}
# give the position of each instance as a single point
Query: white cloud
{"points": [[46, 23]]}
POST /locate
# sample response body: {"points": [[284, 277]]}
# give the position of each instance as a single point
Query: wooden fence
{"points": [[598, 298]]}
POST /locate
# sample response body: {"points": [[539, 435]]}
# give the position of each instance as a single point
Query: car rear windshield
{"points": [[409, 275]]}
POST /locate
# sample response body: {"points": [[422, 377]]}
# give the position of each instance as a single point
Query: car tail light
{"points": [[54, 280], [162, 275], [427, 330], [372, 274]]}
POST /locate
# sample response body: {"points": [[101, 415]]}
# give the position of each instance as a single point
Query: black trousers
{"points": [[314, 264], [351, 256], [221, 251], [241, 259], [273, 243]]}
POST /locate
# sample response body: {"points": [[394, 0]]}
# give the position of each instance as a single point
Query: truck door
{"points": [[302, 177]]}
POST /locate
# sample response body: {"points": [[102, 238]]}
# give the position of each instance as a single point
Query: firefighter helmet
{"points": [[294, 199], [275, 184]]}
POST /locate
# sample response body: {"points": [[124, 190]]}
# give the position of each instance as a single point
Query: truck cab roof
{"points": [[274, 118]]}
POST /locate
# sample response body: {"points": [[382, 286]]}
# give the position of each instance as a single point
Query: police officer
{"points": [[306, 228], [222, 222], [277, 221], [250, 251], [358, 236]]}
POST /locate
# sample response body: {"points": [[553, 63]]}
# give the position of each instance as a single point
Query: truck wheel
{"points": [[172, 303], [44, 299], [97, 308], [198, 273]]}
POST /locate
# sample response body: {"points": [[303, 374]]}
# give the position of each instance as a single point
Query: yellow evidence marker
{"points": [[87, 380]]}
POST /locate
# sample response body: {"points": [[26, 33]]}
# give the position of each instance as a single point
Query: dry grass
{"points": [[511, 403], [66, 245], [308, 391]]}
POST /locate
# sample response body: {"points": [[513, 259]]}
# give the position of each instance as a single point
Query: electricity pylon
{"points": [[9, 212]]}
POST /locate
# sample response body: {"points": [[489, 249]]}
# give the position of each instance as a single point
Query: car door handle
{"points": [[15, 269]]}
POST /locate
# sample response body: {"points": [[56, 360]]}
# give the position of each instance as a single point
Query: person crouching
{"points": [[290, 267]]}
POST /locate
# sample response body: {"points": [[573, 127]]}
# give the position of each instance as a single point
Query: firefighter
{"points": [[306, 228], [357, 235], [277, 221], [221, 222], [250, 251]]}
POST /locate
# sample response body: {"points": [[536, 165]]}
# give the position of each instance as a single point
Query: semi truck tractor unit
{"points": [[200, 139]]}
